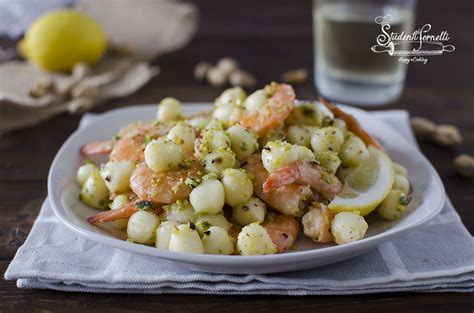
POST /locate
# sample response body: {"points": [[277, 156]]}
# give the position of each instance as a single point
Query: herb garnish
{"points": [[205, 225], [191, 182], [144, 204], [148, 139]]}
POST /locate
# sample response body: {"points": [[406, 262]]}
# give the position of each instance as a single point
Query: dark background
{"points": [[267, 38]]}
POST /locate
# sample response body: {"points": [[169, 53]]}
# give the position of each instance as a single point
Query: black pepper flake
{"points": [[207, 232], [405, 200], [192, 226], [216, 160], [308, 111], [284, 235], [267, 148], [107, 178], [144, 204]]}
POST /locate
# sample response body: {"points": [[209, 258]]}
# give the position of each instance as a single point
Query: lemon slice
{"points": [[366, 186]]}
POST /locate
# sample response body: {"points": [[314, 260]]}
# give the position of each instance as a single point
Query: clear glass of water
{"points": [[346, 69]]}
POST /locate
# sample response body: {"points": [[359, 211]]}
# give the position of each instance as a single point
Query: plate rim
{"points": [[230, 260]]}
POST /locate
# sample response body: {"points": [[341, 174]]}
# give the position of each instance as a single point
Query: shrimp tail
{"points": [[288, 200], [121, 213], [317, 223], [352, 124], [308, 173], [97, 147], [281, 177], [283, 231]]}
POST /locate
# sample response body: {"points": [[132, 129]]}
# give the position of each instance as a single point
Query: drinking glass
{"points": [[346, 69]]}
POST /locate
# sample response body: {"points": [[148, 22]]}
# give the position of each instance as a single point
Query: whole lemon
{"points": [[58, 40]]}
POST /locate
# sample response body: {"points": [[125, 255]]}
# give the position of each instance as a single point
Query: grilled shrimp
{"points": [[273, 112], [155, 187], [282, 229], [317, 223], [289, 199], [112, 215], [306, 172], [129, 143], [97, 147], [352, 124], [124, 212], [164, 187]]}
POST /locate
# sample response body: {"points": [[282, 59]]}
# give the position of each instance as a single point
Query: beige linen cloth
{"points": [[139, 30]]}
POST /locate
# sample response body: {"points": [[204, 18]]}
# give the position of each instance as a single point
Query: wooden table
{"points": [[267, 37]]}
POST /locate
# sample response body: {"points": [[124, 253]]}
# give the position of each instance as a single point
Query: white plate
{"points": [[428, 198]]}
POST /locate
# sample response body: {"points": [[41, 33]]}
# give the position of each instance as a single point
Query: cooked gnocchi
{"points": [[163, 234], [119, 202], [94, 191], [244, 177], [84, 171], [243, 142], [219, 160], [116, 175], [184, 136], [255, 240], [205, 221], [142, 226], [185, 238], [253, 210], [162, 155], [208, 197], [169, 109], [238, 187], [216, 240]]}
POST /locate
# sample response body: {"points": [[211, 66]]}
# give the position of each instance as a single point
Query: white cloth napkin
{"points": [[438, 257]]}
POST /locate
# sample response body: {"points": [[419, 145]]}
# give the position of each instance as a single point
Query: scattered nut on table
{"points": [[447, 135], [226, 71], [227, 65], [216, 77], [241, 78], [422, 127], [297, 76], [80, 105], [201, 69], [464, 165], [81, 70], [41, 88]]}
